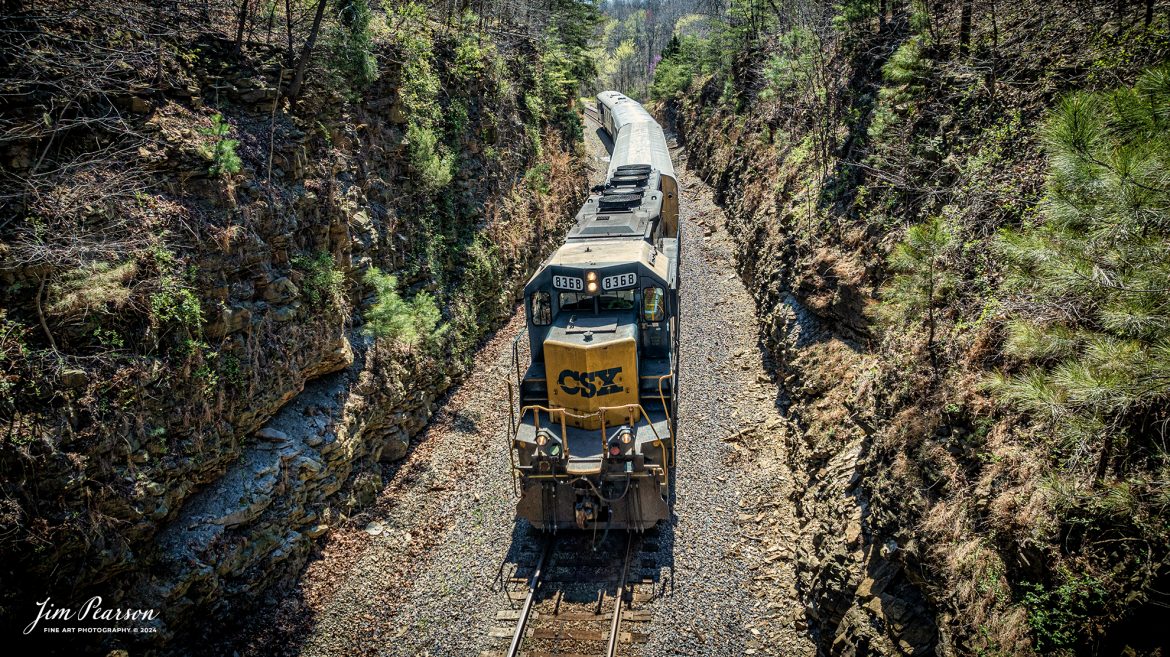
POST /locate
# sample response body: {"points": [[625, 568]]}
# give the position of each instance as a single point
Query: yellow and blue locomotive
{"points": [[594, 430]]}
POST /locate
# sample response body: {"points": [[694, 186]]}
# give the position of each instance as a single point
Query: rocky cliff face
{"points": [[935, 522], [181, 446]]}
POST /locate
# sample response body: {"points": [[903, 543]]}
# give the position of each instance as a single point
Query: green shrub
{"points": [[1057, 616], [409, 323], [175, 304], [537, 178], [353, 44], [323, 282], [791, 67], [904, 74], [472, 54], [429, 159], [221, 151], [907, 65], [675, 71], [853, 13]]}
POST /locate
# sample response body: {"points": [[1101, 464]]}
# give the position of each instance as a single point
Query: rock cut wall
{"points": [[191, 468]]}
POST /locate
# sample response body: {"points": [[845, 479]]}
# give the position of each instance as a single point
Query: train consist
{"points": [[593, 430]]}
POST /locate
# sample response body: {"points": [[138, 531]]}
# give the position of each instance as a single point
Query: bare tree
{"points": [[294, 89]]}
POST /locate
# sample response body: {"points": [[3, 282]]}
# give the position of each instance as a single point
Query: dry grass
{"points": [[93, 288]]}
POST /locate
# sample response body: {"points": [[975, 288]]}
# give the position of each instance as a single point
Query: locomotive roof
{"points": [[626, 208], [607, 252]]}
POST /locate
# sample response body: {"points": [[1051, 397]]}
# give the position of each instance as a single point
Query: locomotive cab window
{"points": [[576, 301], [541, 311], [653, 304], [606, 301], [616, 300]]}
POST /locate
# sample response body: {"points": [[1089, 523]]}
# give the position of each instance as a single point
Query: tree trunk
{"points": [[1149, 12], [965, 27], [294, 89], [930, 316], [288, 30], [1103, 463], [241, 21]]}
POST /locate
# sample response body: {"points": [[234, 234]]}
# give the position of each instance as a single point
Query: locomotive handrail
{"points": [[666, 411], [516, 355]]}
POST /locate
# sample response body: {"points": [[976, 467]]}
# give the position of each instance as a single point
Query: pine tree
{"points": [[922, 280], [409, 323], [1094, 277]]}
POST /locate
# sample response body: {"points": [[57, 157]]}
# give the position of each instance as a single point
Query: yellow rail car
{"points": [[593, 427]]}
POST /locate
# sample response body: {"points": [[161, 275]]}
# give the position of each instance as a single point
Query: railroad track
{"points": [[577, 599], [591, 112]]}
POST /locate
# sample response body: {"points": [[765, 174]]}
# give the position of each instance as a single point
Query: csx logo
{"points": [[590, 384]]}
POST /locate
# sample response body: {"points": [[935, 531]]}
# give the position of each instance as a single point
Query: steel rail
{"points": [[615, 624], [526, 608]]}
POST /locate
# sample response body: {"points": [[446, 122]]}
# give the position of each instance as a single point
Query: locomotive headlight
{"points": [[548, 444], [620, 442], [592, 287], [591, 276]]}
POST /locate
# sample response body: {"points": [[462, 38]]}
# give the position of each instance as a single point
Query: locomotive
{"points": [[594, 405]]}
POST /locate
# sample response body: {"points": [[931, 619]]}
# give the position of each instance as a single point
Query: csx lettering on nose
{"points": [[590, 384]]}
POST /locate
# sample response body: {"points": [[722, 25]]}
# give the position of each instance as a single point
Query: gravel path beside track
{"points": [[416, 576]]}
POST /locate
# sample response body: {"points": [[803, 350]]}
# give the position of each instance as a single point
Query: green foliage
{"points": [[174, 303], [429, 158], [13, 349], [571, 34], [409, 323], [323, 282], [791, 67], [907, 64], [177, 305], [221, 151], [1057, 616], [1093, 279], [472, 53], [456, 123], [537, 178], [108, 338], [557, 81], [352, 44], [681, 60], [853, 13], [904, 74], [420, 83], [231, 370], [923, 280]]}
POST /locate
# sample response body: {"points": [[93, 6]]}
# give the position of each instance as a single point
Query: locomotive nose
{"points": [[592, 363]]}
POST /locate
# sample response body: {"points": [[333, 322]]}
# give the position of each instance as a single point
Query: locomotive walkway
{"points": [[418, 574]]}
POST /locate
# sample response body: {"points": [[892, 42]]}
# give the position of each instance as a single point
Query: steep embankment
{"points": [[936, 520], [191, 398]]}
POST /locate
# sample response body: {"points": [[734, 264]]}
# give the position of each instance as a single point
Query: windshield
{"points": [[612, 300]]}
